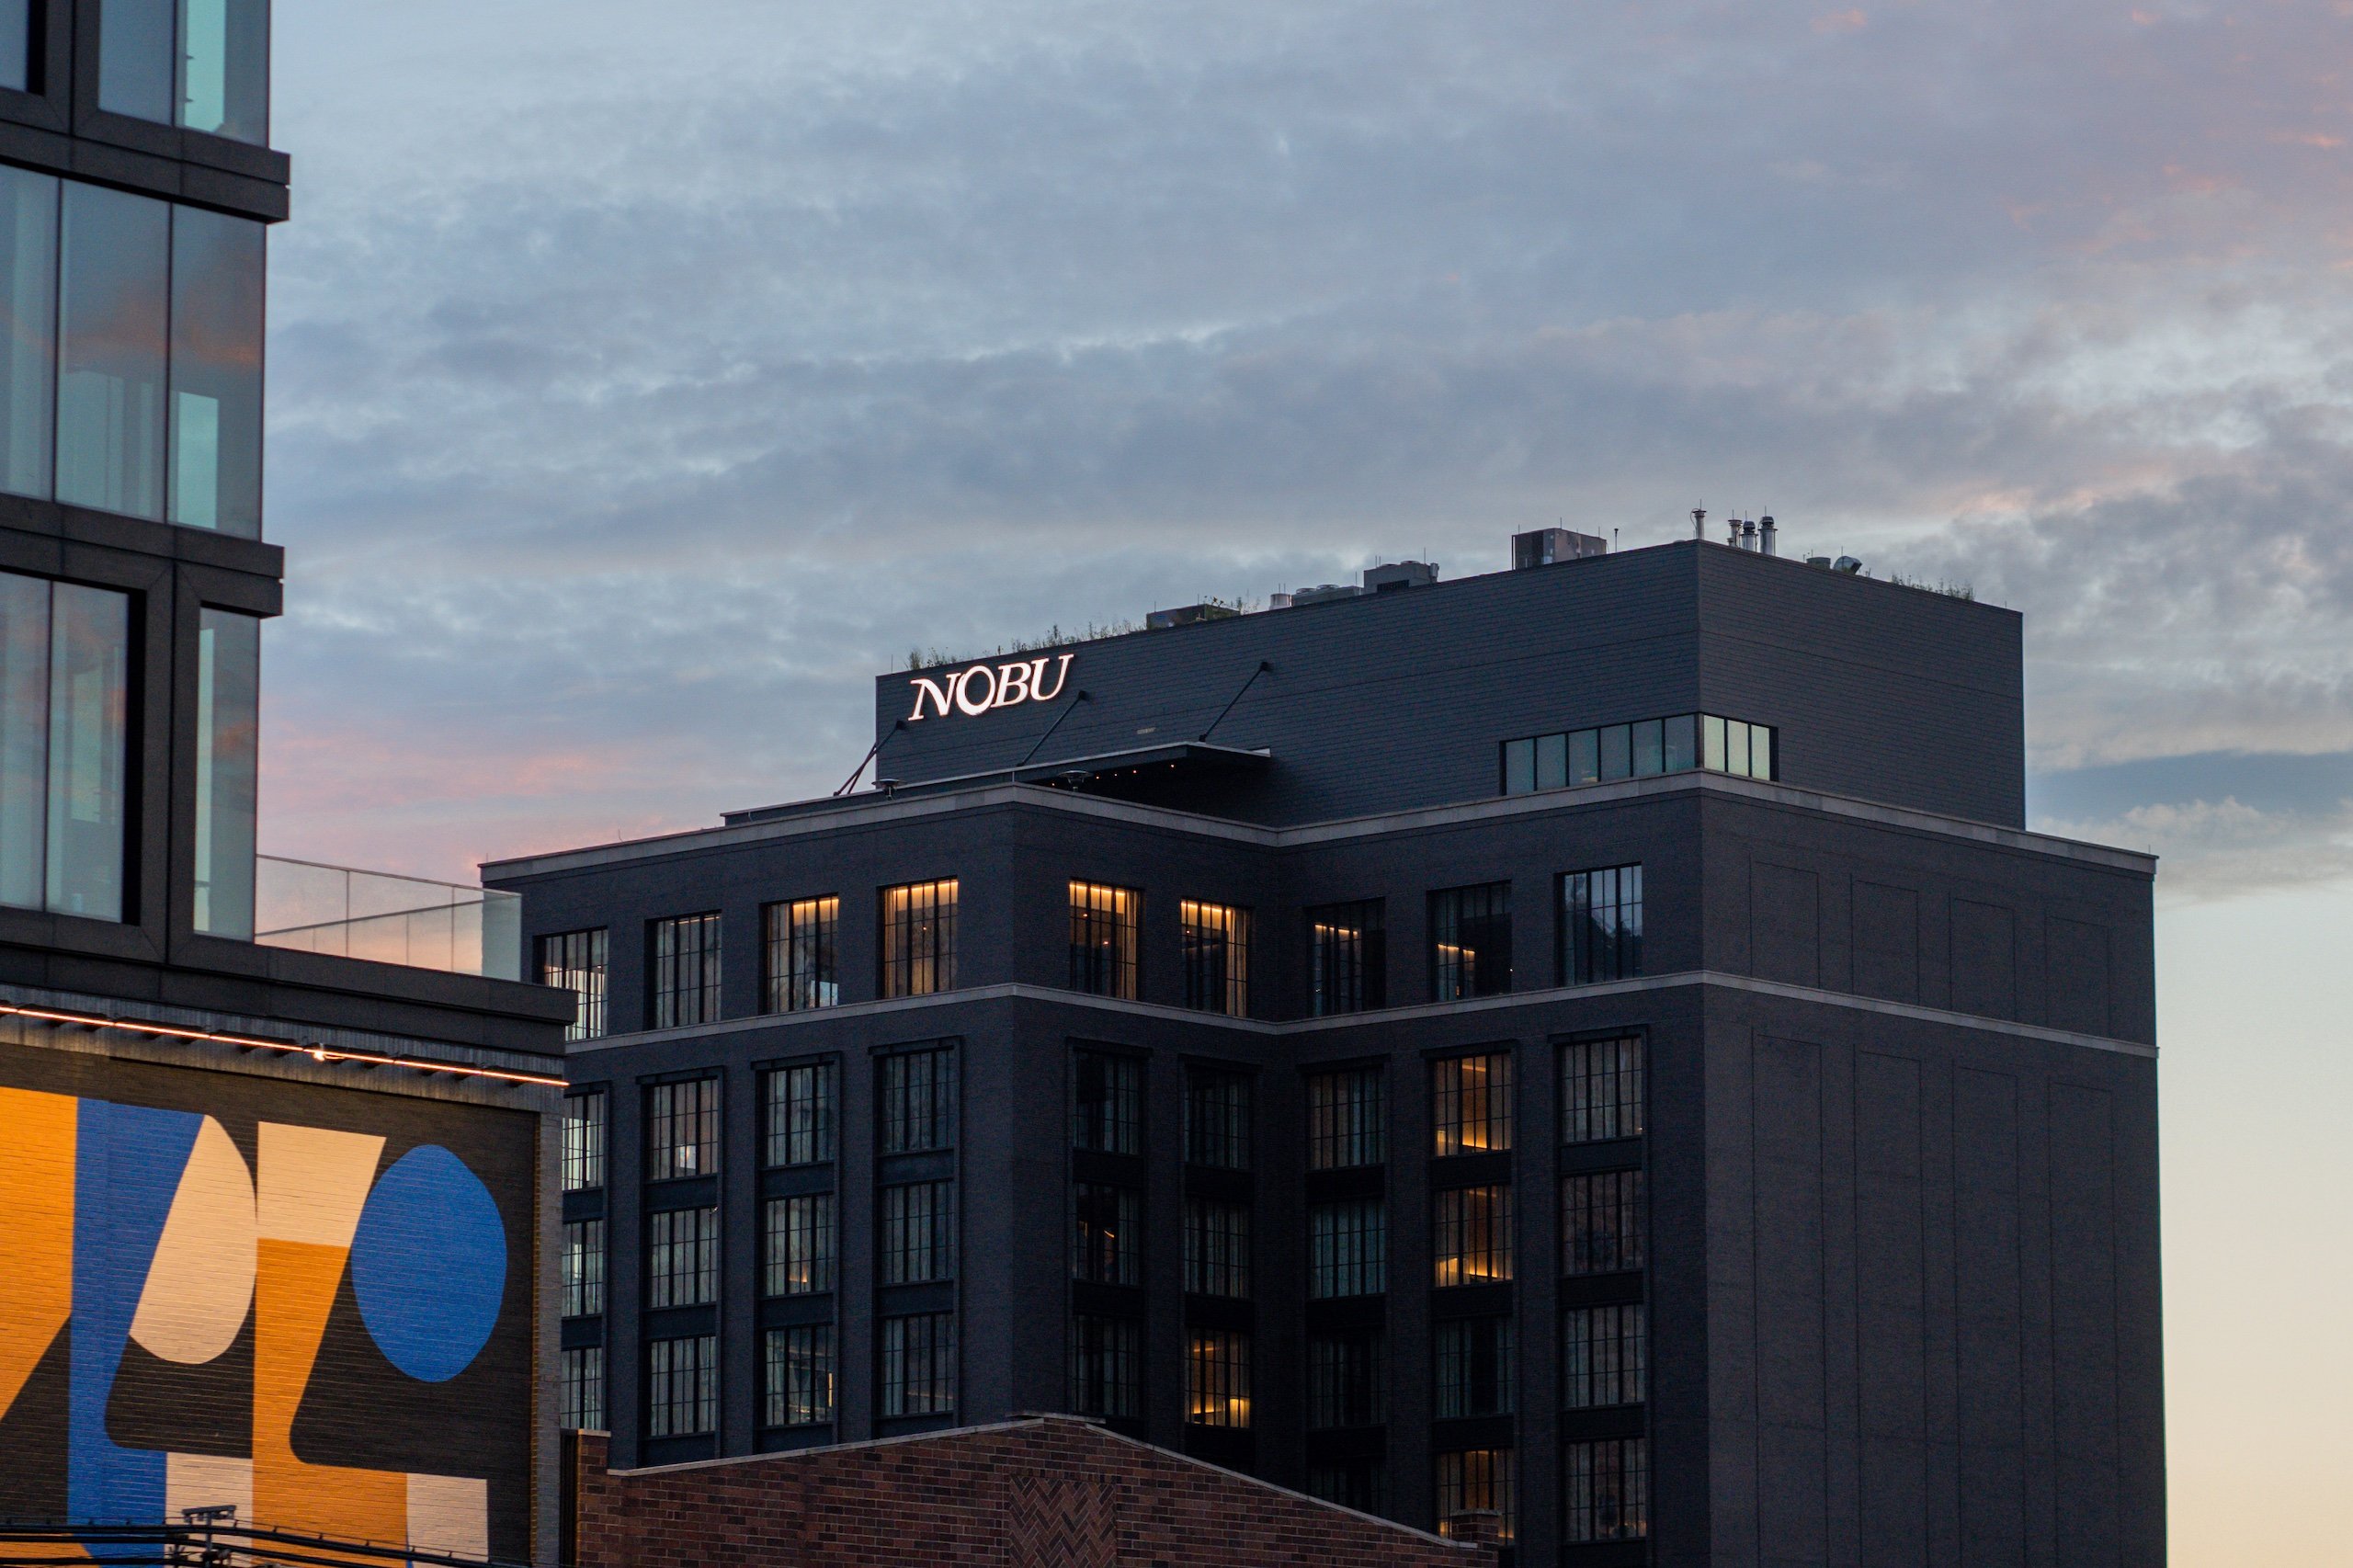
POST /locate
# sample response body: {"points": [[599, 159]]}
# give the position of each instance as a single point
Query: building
{"points": [[270, 1212], [1593, 1040]]}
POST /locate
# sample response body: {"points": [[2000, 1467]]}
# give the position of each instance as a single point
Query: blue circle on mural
{"points": [[429, 1264]]}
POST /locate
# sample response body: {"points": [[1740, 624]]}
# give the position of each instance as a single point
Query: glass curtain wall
{"points": [[228, 720], [28, 315], [113, 307], [202, 65], [17, 45], [217, 268], [64, 742]]}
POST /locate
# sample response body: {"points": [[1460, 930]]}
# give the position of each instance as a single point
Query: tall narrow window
{"points": [[1606, 1491], [1470, 1109], [1346, 1119], [1106, 1365], [1217, 958], [1347, 1379], [1217, 1377], [1348, 967], [1107, 1103], [28, 330], [228, 757], [1347, 1249], [800, 1375], [581, 1398], [217, 270], [682, 1130], [682, 1387], [804, 1113], [1602, 1227], [584, 1268], [682, 1258], [1477, 1481], [919, 938], [801, 1245], [684, 971], [225, 68], [1470, 942], [1474, 1242], [920, 1364], [1106, 1233], [1216, 1248], [1103, 938], [113, 310], [576, 961], [917, 1099], [918, 1239], [1601, 1090], [1216, 1117], [64, 742], [803, 968], [1476, 1371], [1605, 1355], [1601, 925], [583, 1140], [15, 45], [135, 68]]}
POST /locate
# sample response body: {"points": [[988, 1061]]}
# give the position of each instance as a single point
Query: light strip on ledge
{"points": [[250, 1042]]}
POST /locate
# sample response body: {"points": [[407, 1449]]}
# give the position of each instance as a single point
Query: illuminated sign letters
{"points": [[974, 691]]}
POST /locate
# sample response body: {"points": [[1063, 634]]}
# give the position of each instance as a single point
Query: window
{"points": [[1346, 1120], [1217, 1377], [682, 1130], [29, 362], [581, 1397], [1475, 1372], [682, 1258], [1107, 1103], [1216, 1248], [1217, 1119], [801, 1245], [1103, 927], [684, 971], [1601, 1090], [1606, 1490], [1106, 1233], [1217, 958], [1601, 1223], [919, 1232], [64, 737], [1474, 1243], [203, 64], [583, 1140], [1604, 1355], [15, 45], [1477, 1481], [804, 1113], [800, 1375], [228, 760], [1472, 1102], [682, 1387], [113, 339], [1727, 746], [216, 426], [1470, 942], [1348, 1248], [1676, 744], [575, 962], [584, 1268], [1347, 1379], [919, 938], [917, 1099], [1106, 1366], [1360, 1483], [920, 1364], [803, 967], [1601, 925], [1349, 959]]}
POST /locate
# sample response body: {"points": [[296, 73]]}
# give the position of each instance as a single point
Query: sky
{"points": [[646, 378]]}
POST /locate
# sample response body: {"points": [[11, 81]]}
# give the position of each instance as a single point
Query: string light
{"points": [[316, 1053]]}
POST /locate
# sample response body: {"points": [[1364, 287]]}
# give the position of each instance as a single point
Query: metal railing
{"points": [[207, 1538], [390, 919]]}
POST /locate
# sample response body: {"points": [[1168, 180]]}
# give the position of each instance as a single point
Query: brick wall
{"points": [[1044, 1492]]}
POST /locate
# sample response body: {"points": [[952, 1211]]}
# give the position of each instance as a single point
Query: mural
{"points": [[309, 1304]]}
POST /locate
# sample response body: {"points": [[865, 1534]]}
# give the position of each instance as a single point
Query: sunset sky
{"points": [[645, 379]]}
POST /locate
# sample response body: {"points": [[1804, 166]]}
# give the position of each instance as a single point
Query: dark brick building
{"points": [[1594, 1040]]}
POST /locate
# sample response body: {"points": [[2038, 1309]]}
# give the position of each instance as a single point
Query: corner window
{"points": [[217, 268], [804, 948], [576, 961], [1601, 925], [201, 64], [64, 742], [919, 938], [684, 970], [1470, 942], [1642, 750], [1471, 1109], [1217, 958], [1104, 924], [1347, 958], [228, 720]]}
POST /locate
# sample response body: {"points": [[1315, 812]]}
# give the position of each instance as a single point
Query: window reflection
{"points": [[110, 351], [29, 323], [228, 719], [1675, 745], [64, 707], [135, 58], [217, 266], [199, 63]]}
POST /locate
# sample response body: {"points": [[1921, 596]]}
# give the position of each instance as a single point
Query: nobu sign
{"points": [[976, 690]]}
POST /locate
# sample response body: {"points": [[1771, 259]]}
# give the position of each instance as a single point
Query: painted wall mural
{"points": [[312, 1304]]}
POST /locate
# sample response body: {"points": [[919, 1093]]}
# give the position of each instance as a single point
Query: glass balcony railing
{"points": [[392, 919]]}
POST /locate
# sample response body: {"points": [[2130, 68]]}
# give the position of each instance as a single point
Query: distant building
{"points": [[1595, 1042]]}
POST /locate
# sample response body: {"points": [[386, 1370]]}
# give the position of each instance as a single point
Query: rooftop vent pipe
{"points": [[1767, 537]]}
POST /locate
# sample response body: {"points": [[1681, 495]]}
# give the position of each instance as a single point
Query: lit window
{"points": [[1217, 1119], [919, 1365], [684, 969], [1606, 1491], [682, 1258], [1103, 940], [800, 1375], [1346, 1119], [1106, 1233], [917, 1092], [64, 717], [919, 938], [1470, 942], [1106, 1366], [583, 1140], [1349, 959], [803, 955], [1216, 1248], [584, 1268], [1472, 1104], [575, 962], [1601, 1223], [1604, 1355], [682, 1387], [1217, 1377], [804, 1109], [1217, 958], [1473, 1241], [801, 1245], [1107, 1103], [1475, 1371], [1601, 1090], [1477, 1481], [1348, 1248], [682, 1130], [1640, 750]]}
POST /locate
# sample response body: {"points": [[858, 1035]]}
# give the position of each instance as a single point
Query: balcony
{"points": [[391, 919]]}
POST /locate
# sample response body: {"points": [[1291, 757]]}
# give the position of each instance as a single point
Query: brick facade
{"points": [[1052, 1492]]}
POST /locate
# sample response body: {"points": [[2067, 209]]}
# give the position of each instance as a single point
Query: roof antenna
{"points": [[1699, 522]]}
